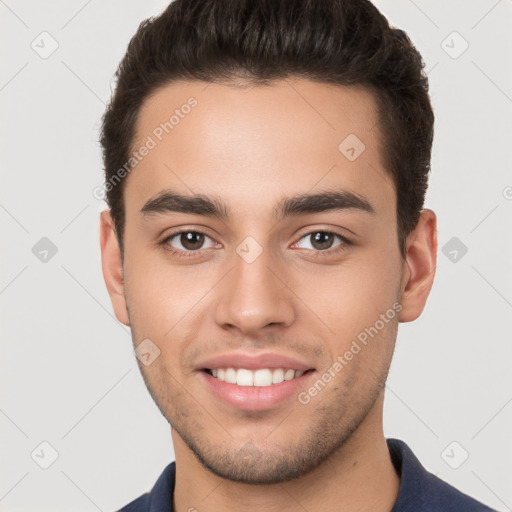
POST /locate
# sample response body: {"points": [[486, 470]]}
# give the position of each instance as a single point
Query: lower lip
{"points": [[255, 398]]}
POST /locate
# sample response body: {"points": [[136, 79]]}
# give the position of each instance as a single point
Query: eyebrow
{"points": [[169, 201]]}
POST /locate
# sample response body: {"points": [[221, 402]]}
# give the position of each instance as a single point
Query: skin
{"points": [[251, 147]]}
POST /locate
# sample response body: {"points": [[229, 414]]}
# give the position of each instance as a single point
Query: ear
{"points": [[112, 266], [419, 266]]}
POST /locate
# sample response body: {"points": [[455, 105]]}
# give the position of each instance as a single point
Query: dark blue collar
{"points": [[421, 491]]}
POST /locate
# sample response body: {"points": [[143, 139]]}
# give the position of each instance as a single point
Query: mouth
{"points": [[261, 377], [260, 389], [254, 381]]}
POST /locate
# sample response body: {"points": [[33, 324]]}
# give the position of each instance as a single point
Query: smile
{"points": [[261, 377]]}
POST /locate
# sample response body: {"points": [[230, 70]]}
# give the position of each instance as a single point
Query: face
{"points": [[287, 266]]}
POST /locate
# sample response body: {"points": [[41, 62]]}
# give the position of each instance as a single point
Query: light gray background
{"points": [[68, 373]]}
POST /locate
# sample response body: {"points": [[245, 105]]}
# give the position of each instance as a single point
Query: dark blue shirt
{"points": [[420, 491]]}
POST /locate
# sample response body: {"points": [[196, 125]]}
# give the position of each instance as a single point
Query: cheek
{"points": [[163, 298], [358, 301], [354, 295]]}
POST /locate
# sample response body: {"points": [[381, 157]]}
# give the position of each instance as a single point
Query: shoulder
{"points": [[141, 504], [160, 496], [422, 491]]}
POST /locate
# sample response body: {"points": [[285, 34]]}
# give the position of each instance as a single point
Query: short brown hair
{"points": [[344, 42]]}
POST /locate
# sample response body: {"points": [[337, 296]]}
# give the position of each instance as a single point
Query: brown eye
{"points": [[322, 241], [191, 240], [188, 241]]}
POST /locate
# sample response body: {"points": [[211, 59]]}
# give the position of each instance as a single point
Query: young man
{"points": [[266, 166]]}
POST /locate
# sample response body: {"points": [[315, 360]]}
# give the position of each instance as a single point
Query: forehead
{"points": [[255, 144]]}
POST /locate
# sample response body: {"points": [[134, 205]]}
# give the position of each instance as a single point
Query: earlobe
{"points": [[419, 266], [112, 266]]}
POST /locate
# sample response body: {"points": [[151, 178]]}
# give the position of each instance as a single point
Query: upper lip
{"points": [[253, 362]]}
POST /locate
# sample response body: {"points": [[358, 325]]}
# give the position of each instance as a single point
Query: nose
{"points": [[254, 297]]}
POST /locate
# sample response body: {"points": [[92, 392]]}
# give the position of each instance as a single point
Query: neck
{"points": [[360, 476]]}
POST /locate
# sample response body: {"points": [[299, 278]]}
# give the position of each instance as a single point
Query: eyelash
{"points": [[188, 254]]}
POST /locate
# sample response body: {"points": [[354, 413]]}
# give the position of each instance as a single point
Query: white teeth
{"points": [[230, 375], [289, 374], [277, 376], [262, 377], [244, 377]]}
